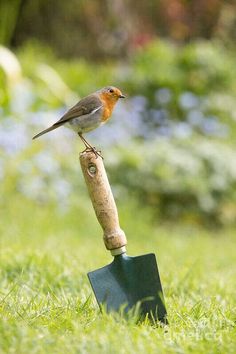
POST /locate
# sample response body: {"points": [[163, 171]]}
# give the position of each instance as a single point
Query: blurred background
{"points": [[170, 146]]}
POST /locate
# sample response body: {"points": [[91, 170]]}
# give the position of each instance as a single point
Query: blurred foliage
{"points": [[195, 84], [9, 11], [171, 145], [181, 179], [115, 29]]}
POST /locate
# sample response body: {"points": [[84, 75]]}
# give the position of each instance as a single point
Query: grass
{"points": [[47, 305]]}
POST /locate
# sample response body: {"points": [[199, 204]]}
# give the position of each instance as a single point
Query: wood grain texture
{"points": [[102, 199]]}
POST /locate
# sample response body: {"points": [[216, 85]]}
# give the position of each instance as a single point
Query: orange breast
{"points": [[108, 107]]}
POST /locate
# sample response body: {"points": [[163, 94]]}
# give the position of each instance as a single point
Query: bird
{"points": [[88, 114]]}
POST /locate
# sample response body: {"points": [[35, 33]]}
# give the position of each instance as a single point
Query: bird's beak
{"points": [[121, 96]]}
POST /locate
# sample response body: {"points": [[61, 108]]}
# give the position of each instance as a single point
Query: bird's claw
{"points": [[94, 150]]}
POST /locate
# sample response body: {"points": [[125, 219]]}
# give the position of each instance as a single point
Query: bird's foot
{"points": [[94, 150]]}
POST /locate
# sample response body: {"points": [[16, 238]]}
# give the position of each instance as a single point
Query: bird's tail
{"points": [[46, 131]]}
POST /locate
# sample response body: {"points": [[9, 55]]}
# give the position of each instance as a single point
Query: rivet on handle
{"points": [[92, 169]]}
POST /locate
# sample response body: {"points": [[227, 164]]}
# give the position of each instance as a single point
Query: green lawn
{"points": [[47, 305]]}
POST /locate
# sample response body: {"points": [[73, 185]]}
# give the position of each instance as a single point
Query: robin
{"points": [[88, 114]]}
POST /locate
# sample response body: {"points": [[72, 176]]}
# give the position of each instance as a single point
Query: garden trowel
{"points": [[128, 282]]}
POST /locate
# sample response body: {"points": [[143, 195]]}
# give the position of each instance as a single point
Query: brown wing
{"points": [[85, 106]]}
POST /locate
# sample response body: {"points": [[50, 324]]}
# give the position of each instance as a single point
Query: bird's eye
{"points": [[111, 90]]}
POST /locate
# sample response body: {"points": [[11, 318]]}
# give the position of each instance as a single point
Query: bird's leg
{"points": [[84, 141], [89, 147]]}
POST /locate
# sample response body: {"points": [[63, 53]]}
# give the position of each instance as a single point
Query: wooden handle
{"points": [[103, 201]]}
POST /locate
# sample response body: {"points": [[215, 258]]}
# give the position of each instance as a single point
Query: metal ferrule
{"points": [[118, 251]]}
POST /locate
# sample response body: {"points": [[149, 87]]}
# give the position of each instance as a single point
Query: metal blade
{"points": [[128, 282]]}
